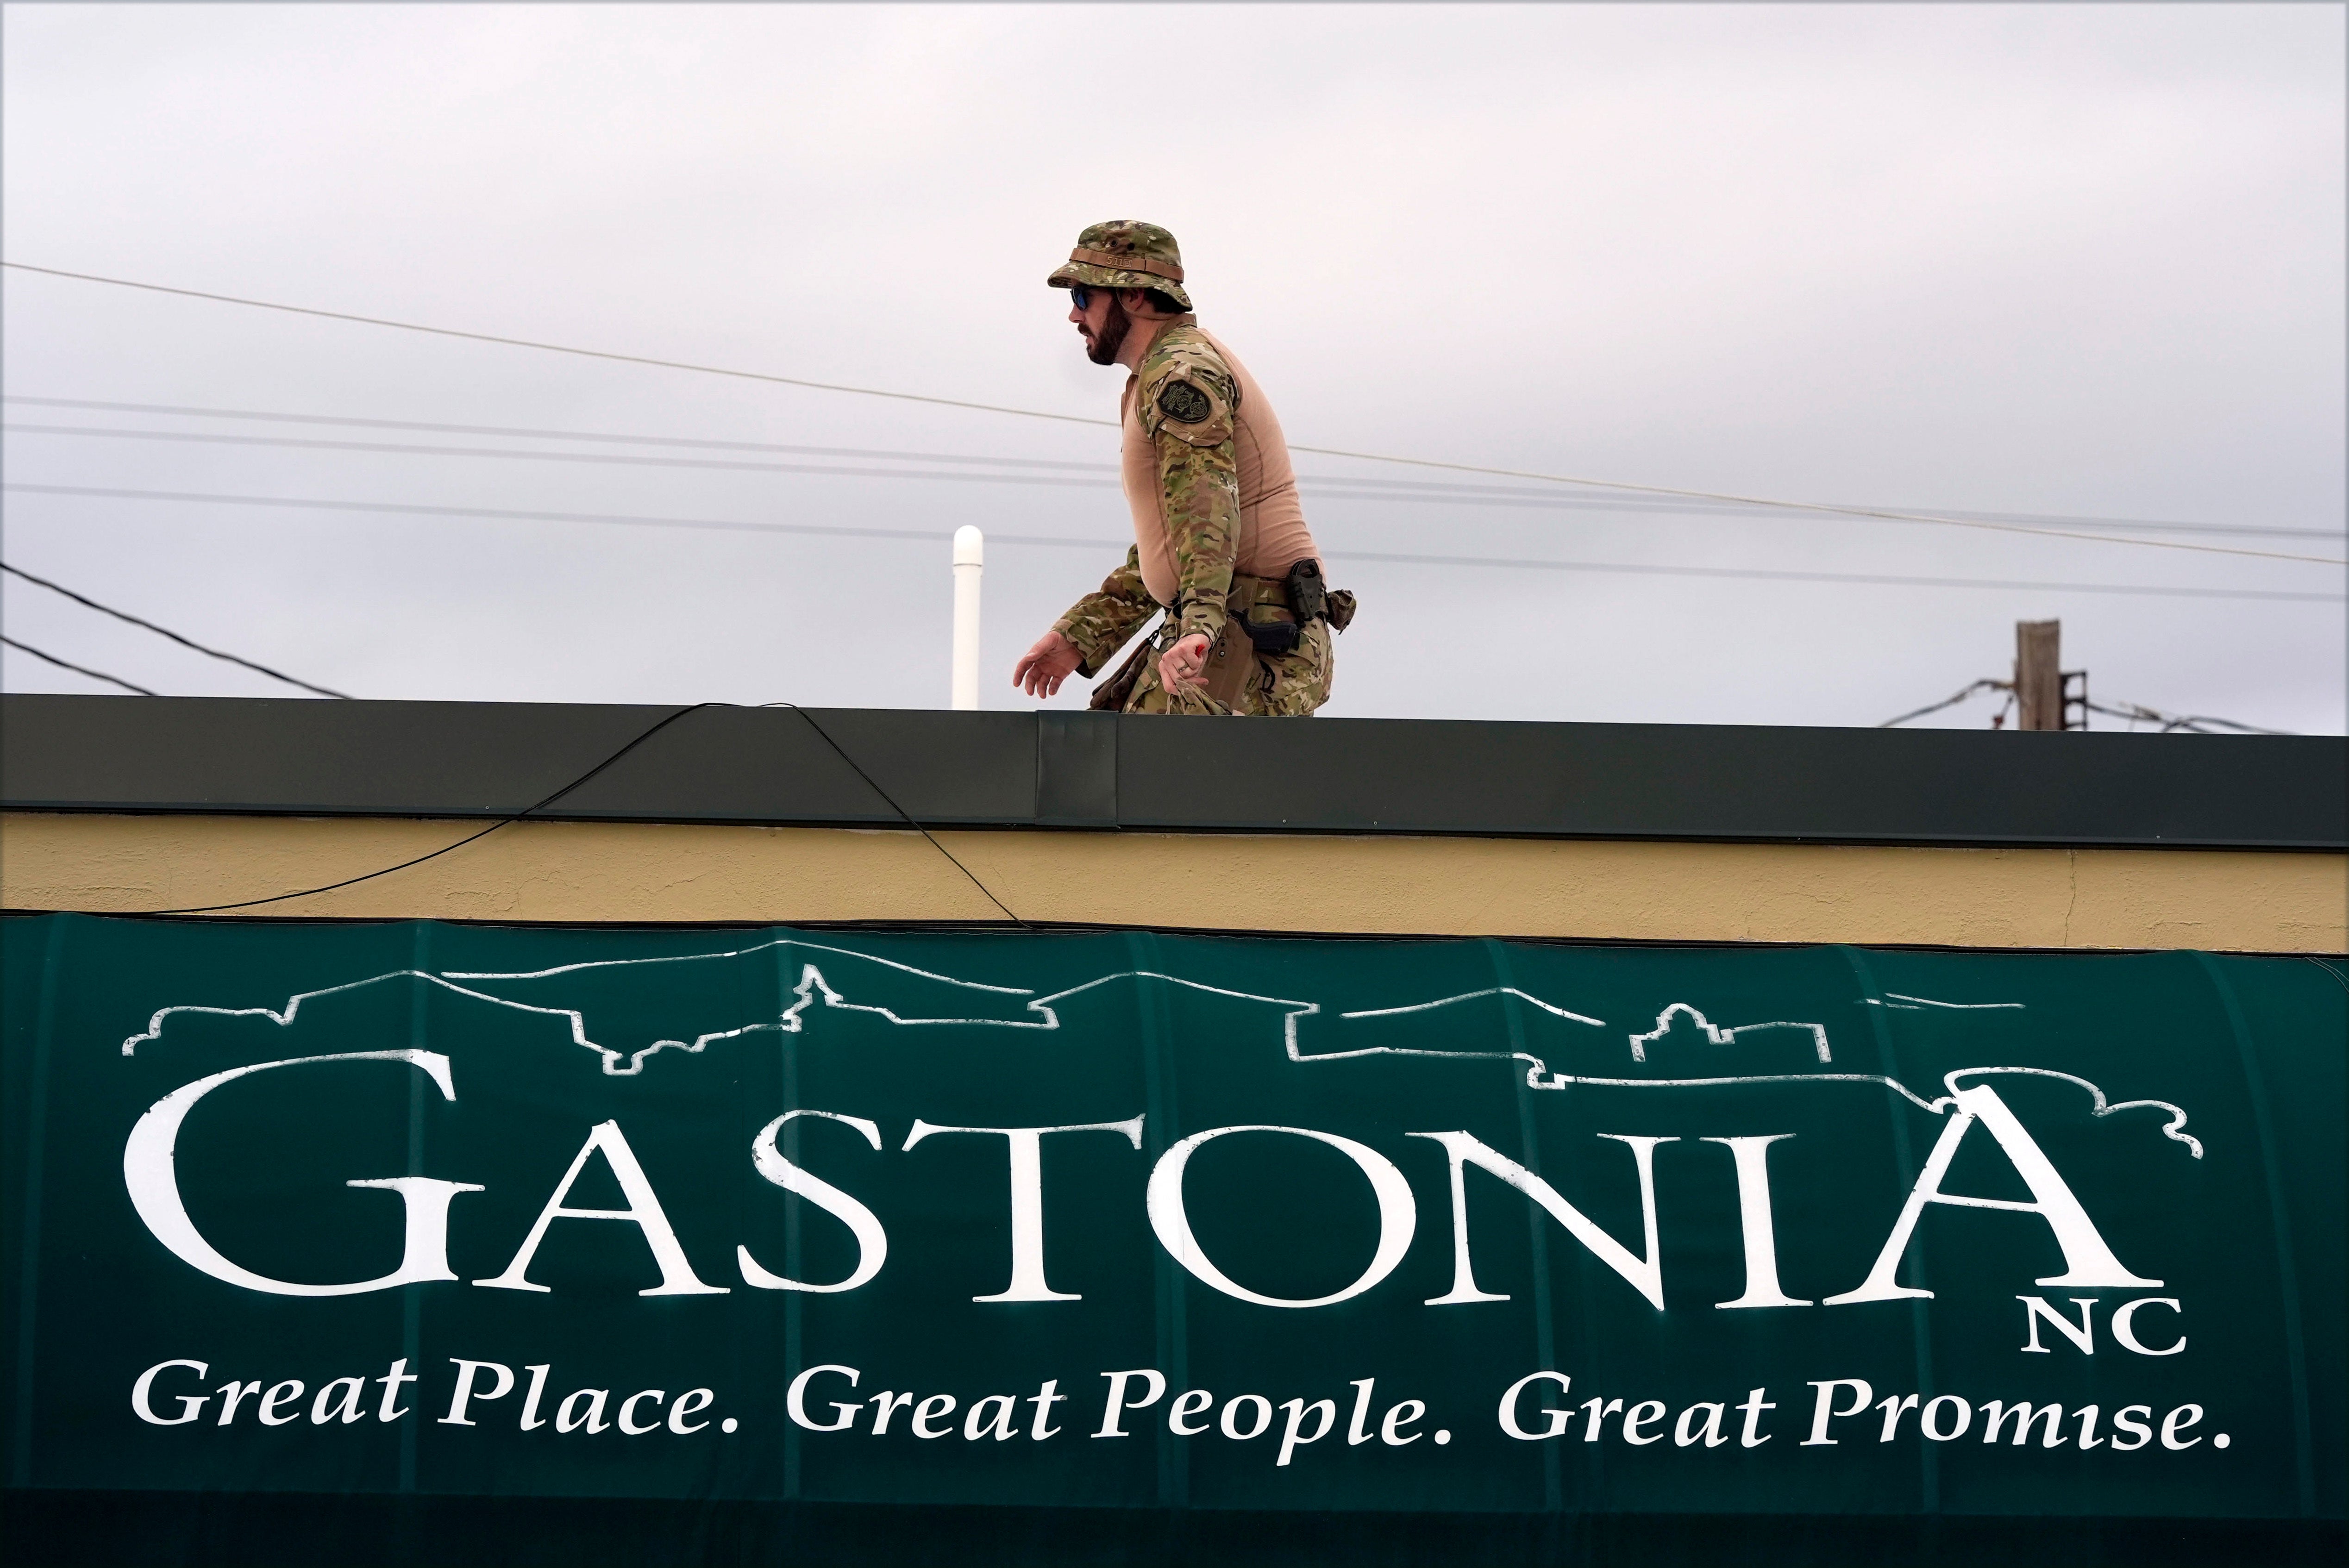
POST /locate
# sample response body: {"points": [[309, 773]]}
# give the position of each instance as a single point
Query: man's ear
{"points": [[1137, 302]]}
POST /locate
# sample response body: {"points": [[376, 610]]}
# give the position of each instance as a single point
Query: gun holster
{"points": [[1276, 621]]}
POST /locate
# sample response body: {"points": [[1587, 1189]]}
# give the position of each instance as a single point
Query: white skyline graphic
{"points": [[972, 1008]]}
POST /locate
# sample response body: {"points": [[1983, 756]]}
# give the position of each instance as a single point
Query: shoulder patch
{"points": [[1186, 391], [1183, 402]]}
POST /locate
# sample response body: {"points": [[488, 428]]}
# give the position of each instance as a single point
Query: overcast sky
{"points": [[2038, 261]]}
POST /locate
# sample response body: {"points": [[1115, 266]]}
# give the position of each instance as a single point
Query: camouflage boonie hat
{"points": [[1126, 254]]}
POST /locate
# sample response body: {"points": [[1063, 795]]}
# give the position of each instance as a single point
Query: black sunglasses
{"points": [[1081, 296]]}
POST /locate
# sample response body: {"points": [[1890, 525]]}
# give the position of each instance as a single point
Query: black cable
{"points": [[875, 786], [78, 669], [1052, 542], [485, 833], [530, 810], [167, 631]]}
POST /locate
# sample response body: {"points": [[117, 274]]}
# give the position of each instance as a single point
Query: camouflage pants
{"points": [[1285, 686]]}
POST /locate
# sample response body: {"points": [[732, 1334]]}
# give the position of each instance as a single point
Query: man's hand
{"points": [[1042, 668], [1179, 667]]}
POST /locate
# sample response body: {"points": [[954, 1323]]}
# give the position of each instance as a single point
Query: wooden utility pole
{"points": [[2038, 675]]}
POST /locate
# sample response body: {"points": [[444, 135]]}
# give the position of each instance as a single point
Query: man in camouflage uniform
{"points": [[1220, 541]]}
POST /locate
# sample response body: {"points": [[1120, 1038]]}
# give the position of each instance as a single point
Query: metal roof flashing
{"points": [[1073, 770]]}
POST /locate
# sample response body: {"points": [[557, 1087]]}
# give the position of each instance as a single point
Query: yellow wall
{"points": [[2053, 898]]}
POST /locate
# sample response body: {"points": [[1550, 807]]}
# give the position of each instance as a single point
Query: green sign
{"points": [[1125, 1221]]}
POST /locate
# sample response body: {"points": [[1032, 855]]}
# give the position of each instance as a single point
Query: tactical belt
{"points": [[1263, 616], [1275, 611]]}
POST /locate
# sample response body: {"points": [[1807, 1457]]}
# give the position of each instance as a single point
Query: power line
{"points": [[559, 347], [1326, 485], [621, 520], [725, 464], [1329, 488], [1426, 494], [2135, 713], [166, 632], [1857, 578], [1984, 685], [409, 448], [1836, 509], [78, 669], [1079, 419], [447, 428], [1057, 542], [1410, 489]]}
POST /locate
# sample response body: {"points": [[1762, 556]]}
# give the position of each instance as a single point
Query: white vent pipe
{"points": [[969, 560]]}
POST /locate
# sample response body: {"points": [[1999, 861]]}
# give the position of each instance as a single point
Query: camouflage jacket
{"points": [[1186, 398]]}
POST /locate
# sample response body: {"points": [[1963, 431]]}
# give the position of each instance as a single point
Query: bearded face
{"points": [[1101, 343]]}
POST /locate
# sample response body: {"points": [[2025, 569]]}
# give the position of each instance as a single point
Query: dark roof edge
{"points": [[1918, 839], [772, 766]]}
